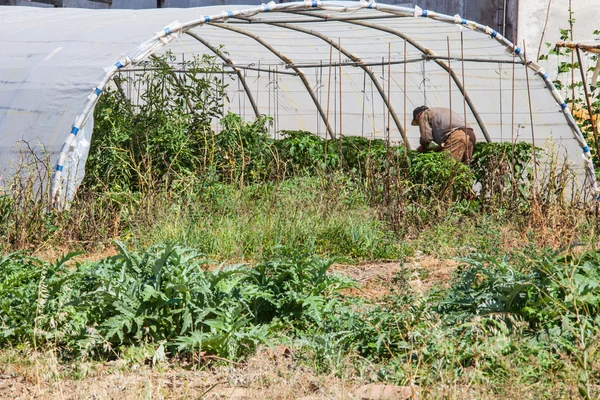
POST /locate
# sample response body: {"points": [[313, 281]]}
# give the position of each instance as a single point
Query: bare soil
{"points": [[271, 374], [377, 280]]}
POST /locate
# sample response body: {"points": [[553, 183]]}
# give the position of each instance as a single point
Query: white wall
{"points": [[532, 16]]}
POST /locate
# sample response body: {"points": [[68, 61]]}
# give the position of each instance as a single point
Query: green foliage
{"points": [[244, 151], [166, 297], [504, 170], [164, 135], [498, 314], [520, 317], [573, 91], [441, 175], [557, 296], [165, 141]]}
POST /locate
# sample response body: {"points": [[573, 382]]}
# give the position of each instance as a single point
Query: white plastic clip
{"points": [[418, 11], [267, 7], [169, 32], [535, 67]]}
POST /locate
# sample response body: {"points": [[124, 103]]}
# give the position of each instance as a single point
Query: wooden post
{"points": [[530, 116], [328, 99], [512, 135], [389, 92], [587, 99], [405, 100], [462, 54], [341, 113], [449, 80]]}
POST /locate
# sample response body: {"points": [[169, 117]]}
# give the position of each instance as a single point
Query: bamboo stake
{"points": [[587, 46], [341, 113], [512, 135], [462, 55], [328, 98], [530, 117], [388, 93], [587, 99], [449, 80], [572, 57], [405, 100]]}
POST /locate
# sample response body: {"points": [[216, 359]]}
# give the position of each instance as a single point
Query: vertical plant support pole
{"points": [[587, 98], [362, 117], [501, 102], [572, 57], [283, 58], [341, 113], [449, 80], [405, 100], [355, 59], [328, 100], [388, 93], [388, 154], [383, 105], [462, 56], [530, 117], [512, 133]]}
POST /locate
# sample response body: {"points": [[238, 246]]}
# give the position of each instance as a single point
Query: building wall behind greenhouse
{"points": [[487, 12], [518, 20]]}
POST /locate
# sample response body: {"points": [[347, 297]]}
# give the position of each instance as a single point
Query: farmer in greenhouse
{"points": [[447, 130]]}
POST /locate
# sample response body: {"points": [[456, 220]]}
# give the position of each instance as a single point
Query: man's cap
{"points": [[416, 112]]}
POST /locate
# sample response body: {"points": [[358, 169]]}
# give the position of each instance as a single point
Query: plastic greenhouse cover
{"points": [[56, 62]]}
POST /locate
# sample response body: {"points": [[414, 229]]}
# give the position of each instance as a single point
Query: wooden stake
{"points": [[449, 80], [388, 93], [512, 134], [462, 54], [328, 98], [405, 100], [572, 57], [341, 113], [530, 117], [587, 99]]}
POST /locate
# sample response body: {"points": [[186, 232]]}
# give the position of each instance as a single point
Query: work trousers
{"points": [[460, 143]]}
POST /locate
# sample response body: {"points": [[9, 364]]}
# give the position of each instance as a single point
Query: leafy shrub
{"points": [[557, 296], [441, 175], [166, 297], [244, 151], [504, 170], [163, 136], [304, 152]]}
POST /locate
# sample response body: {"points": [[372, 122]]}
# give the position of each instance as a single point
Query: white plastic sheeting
{"points": [[56, 62]]}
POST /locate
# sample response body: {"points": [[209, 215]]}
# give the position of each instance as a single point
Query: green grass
{"points": [[226, 222]]}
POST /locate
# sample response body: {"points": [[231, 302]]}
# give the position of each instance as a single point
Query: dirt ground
{"points": [[380, 279], [271, 374], [261, 377]]}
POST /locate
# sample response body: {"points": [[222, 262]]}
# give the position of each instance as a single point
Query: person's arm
{"points": [[425, 129], [426, 134]]}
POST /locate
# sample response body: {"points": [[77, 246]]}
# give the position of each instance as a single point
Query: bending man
{"points": [[447, 129]]}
